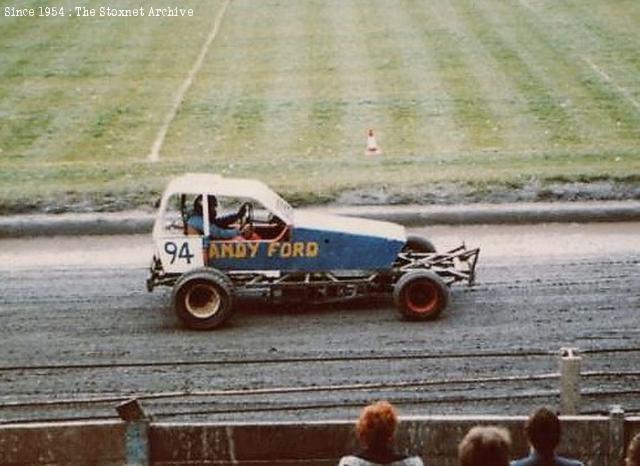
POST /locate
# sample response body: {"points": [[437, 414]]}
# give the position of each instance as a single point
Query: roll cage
{"points": [[274, 225]]}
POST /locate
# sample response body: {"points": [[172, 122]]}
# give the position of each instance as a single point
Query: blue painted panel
{"points": [[307, 251]]}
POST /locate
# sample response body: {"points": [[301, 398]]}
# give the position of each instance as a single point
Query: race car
{"points": [[284, 255]]}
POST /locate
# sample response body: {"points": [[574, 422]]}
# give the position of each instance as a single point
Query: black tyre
{"points": [[421, 295], [416, 243], [203, 299]]}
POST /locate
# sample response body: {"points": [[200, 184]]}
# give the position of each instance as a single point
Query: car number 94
{"points": [[183, 254]]}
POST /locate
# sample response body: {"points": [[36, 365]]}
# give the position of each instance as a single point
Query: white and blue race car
{"points": [[284, 255]]}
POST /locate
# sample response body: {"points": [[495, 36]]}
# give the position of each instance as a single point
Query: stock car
{"points": [[290, 255]]}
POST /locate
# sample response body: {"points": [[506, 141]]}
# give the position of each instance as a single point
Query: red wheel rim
{"points": [[422, 297]]}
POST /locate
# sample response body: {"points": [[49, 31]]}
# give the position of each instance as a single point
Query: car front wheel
{"points": [[421, 295], [203, 299]]}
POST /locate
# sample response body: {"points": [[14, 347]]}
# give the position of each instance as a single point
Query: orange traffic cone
{"points": [[372, 146]]}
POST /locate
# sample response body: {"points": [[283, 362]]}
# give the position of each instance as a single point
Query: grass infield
{"points": [[481, 96]]}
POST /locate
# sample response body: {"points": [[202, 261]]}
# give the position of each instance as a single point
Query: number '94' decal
{"points": [[178, 252]]}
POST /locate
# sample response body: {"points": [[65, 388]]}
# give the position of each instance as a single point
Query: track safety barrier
{"points": [[596, 440]]}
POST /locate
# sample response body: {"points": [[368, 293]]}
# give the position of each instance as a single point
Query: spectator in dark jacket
{"points": [[633, 452], [485, 446], [543, 433], [375, 429]]}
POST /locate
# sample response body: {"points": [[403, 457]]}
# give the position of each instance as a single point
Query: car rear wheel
{"points": [[203, 299], [417, 243], [421, 295]]}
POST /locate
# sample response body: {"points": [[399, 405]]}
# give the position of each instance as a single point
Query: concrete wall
{"points": [[434, 438], [63, 444], [306, 444]]}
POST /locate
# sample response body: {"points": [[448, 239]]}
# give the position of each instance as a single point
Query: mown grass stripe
{"points": [[494, 29], [115, 125], [607, 78], [403, 106], [407, 86], [614, 111], [287, 96], [28, 101], [355, 71], [103, 94], [88, 88], [615, 23], [225, 108], [323, 128], [509, 118], [247, 111], [545, 54], [608, 36], [154, 153], [196, 131], [424, 99], [606, 40], [29, 44], [469, 106], [395, 91]]}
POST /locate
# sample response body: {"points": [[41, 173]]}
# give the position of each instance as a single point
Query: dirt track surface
{"points": [[77, 324]]}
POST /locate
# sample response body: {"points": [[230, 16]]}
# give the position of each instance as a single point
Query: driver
{"points": [[219, 227]]}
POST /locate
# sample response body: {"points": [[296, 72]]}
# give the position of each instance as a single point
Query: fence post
{"points": [[615, 454], [136, 433], [569, 381]]}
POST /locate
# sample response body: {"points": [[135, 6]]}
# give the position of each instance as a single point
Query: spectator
{"points": [[633, 452], [543, 433], [485, 446], [375, 429]]}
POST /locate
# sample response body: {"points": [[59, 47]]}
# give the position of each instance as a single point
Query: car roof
{"points": [[209, 183]]}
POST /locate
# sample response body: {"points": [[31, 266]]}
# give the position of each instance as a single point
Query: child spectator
{"points": [[376, 429], [485, 446], [543, 433]]}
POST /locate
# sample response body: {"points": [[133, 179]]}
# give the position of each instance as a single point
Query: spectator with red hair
{"points": [[376, 430], [633, 452]]}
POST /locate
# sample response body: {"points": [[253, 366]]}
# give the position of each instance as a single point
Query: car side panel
{"points": [[307, 250]]}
